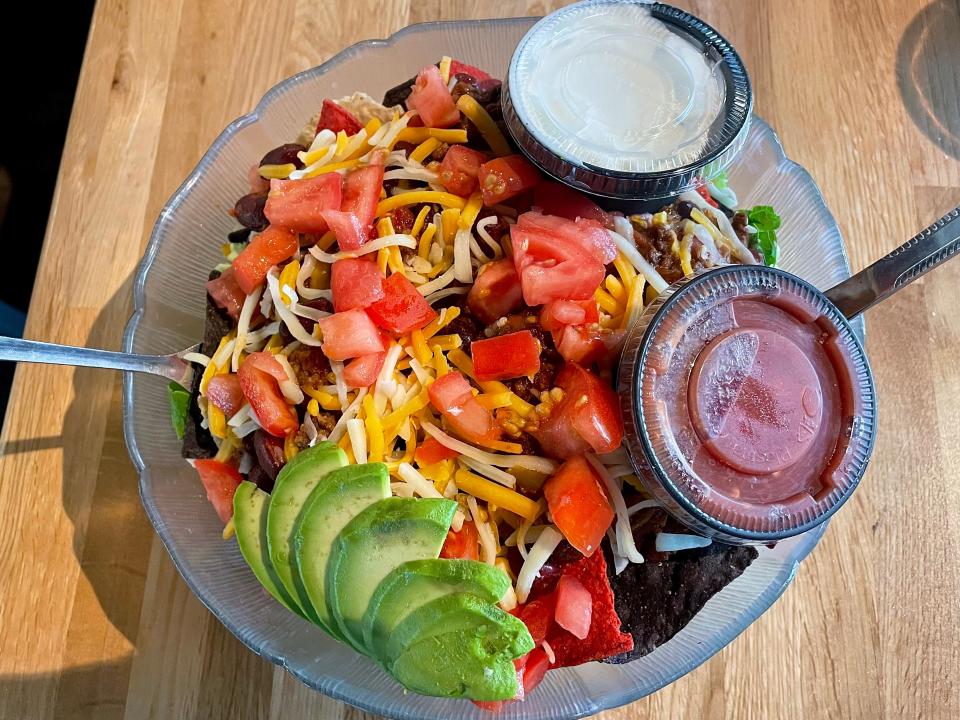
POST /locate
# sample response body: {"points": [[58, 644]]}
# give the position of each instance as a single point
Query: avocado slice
{"points": [[417, 582], [384, 535], [332, 504], [294, 484], [250, 523], [459, 646]]}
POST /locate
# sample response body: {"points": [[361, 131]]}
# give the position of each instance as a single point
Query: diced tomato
{"points": [[705, 194], [402, 308], [361, 193], [587, 234], [555, 198], [299, 204], [346, 227], [579, 506], [574, 606], [587, 344], [349, 334], [432, 100], [457, 67], [224, 392], [506, 356], [496, 291], [558, 313], [504, 177], [587, 418], [335, 118], [552, 267], [362, 371], [258, 375], [272, 246], [459, 169], [463, 544], [221, 482], [355, 283], [451, 395], [431, 451], [535, 669], [226, 292], [449, 391]]}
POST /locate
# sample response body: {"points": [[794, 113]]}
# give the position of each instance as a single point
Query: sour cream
{"points": [[607, 85]]}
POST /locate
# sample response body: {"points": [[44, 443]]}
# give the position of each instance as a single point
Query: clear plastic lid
{"points": [[627, 98], [749, 404]]}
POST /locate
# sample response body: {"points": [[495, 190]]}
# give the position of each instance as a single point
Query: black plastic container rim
{"points": [[726, 530], [616, 184]]}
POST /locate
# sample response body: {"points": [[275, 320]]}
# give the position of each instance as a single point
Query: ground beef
{"points": [[467, 326], [325, 423], [310, 366], [740, 222]]}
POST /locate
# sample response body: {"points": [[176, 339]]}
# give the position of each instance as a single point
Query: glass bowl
{"points": [[169, 299]]}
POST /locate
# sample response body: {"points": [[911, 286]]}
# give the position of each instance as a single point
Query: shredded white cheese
{"points": [[530, 462], [357, 431], [243, 325], [488, 544], [623, 238], [723, 224], [421, 486], [336, 366], [441, 281], [463, 270], [625, 541], [407, 241], [537, 557], [288, 318], [196, 357], [489, 471], [348, 414], [446, 292]]}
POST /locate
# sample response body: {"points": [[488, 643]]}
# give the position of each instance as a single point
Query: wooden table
{"points": [[94, 620]]}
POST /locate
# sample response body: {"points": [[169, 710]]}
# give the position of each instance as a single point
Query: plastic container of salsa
{"points": [[748, 402]]}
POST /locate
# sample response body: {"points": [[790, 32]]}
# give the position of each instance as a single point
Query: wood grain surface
{"points": [[96, 623]]}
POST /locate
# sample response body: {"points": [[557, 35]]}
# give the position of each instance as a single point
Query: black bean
{"points": [[249, 211], [239, 236], [270, 454], [260, 478], [684, 208], [283, 155]]}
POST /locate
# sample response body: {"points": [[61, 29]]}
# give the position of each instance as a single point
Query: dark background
{"points": [[39, 85]]}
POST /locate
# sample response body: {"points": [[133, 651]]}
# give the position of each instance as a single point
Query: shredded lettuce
{"points": [[766, 222], [179, 398]]}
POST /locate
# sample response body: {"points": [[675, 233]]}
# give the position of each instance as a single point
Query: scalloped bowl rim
{"points": [[130, 330]]}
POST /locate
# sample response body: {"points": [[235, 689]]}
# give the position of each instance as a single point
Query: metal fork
{"points": [[172, 367]]}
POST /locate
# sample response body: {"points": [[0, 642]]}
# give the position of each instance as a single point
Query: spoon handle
{"points": [[918, 255], [169, 366]]}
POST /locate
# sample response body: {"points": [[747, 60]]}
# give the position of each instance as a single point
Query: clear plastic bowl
{"points": [[169, 299]]}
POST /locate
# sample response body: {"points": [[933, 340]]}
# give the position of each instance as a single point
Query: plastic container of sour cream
{"points": [[627, 100]]}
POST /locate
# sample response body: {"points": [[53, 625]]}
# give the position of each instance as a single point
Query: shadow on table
{"points": [[928, 73], [111, 541]]}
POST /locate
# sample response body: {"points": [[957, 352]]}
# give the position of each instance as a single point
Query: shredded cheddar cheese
{"points": [[485, 124], [470, 211], [423, 150], [277, 172], [374, 431], [419, 196], [492, 492], [288, 278], [420, 134], [423, 250], [420, 221], [445, 68]]}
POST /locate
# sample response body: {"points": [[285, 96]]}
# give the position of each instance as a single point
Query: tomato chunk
{"points": [[361, 193], [459, 169], [225, 393], [355, 283], [402, 308], [553, 268], [349, 334], [588, 235], [452, 396], [363, 371], [558, 313], [506, 356], [457, 68], [555, 198], [587, 418], [587, 344], [259, 375], [346, 227], [226, 293], [431, 451], [579, 505], [299, 204], [221, 482], [431, 99], [574, 606], [269, 248], [504, 177], [336, 118], [463, 544], [496, 291]]}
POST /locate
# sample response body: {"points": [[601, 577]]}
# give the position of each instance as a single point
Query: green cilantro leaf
{"points": [[179, 398], [767, 222]]}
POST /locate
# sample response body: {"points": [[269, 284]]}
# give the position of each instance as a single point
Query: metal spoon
{"points": [[172, 366]]}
